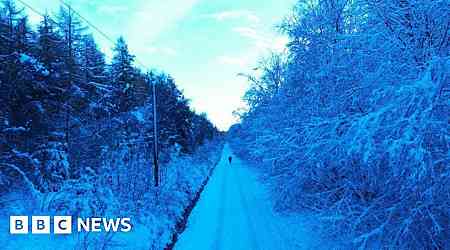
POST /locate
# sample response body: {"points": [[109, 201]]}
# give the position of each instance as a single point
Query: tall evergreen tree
{"points": [[94, 76], [8, 27], [123, 74], [93, 64], [74, 96], [50, 45]]}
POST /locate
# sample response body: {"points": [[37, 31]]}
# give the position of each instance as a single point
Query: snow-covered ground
{"points": [[235, 212], [154, 222]]}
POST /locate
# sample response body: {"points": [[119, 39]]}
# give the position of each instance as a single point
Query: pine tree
{"points": [[123, 74], [94, 77], [10, 16], [93, 65], [73, 97], [50, 45], [33, 149], [24, 35]]}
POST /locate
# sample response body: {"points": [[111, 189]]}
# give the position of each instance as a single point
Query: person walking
{"points": [[230, 159]]}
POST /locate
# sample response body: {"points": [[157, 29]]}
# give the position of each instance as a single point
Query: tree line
{"points": [[59, 97], [351, 123]]}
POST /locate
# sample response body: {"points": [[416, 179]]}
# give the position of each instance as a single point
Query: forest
{"points": [[76, 131], [351, 123]]}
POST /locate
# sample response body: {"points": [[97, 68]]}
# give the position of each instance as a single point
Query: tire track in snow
{"points": [[244, 203], [217, 244], [235, 213], [261, 215]]}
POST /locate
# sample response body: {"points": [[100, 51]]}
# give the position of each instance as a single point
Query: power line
{"points": [[89, 23], [96, 28], [155, 147], [36, 11], [31, 8], [92, 25], [108, 38], [27, 5]]}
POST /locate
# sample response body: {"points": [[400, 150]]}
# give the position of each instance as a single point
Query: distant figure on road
{"points": [[230, 159]]}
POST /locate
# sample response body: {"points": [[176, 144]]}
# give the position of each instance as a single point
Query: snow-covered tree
{"points": [[76, 132], [123, 74], [355, 125]]}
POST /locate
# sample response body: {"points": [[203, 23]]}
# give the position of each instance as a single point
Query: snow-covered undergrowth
{"points": [[160, 209], [382, 175], [154, 211], [352, 122]]}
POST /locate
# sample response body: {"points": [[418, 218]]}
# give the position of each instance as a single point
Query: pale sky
{"points": [[203, 44]]}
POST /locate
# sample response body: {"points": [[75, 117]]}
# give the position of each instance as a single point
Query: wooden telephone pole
{"points": [[155, 136]]}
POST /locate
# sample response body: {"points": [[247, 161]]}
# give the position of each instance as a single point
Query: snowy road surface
{"points": [[235, 212]]}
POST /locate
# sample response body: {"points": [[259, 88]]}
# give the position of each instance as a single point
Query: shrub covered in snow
{"points": [[354, 122]]}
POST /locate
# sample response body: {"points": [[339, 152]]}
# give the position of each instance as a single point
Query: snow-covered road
{"points": [[235, 212]]}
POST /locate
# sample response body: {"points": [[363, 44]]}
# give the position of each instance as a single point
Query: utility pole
{"points": [[69, 38], [155, 137]]}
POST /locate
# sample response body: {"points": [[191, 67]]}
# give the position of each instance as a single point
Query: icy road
{"points": [[235, 212]]}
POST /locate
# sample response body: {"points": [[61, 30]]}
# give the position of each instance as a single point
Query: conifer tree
{"points": [[123, 74]]}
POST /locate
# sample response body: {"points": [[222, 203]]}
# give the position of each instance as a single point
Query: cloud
{"points": [[166, 51], [169, 51], [241, 61], [235, 14], [247, 32], [112, 9], [261, 45], [153, 18], [261, 40]]}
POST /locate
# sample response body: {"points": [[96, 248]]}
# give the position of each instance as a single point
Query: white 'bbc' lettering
{"points": [[18, 224], [63, 225]]}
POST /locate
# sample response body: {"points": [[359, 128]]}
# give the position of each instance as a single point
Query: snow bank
{"points": [[154, 213]]}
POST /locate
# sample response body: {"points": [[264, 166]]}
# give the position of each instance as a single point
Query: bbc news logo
{"points": [[63, 225]]}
